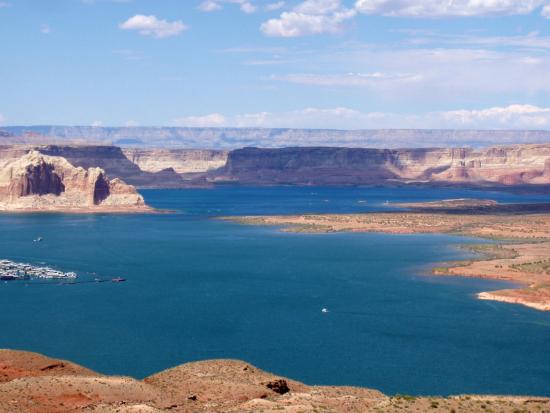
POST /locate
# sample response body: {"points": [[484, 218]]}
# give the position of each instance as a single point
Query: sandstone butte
{"points": [[38, 182], [523, 256], [33, 383]]}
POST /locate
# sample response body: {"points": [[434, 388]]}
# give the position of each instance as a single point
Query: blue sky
{"points": [[297, 63]]}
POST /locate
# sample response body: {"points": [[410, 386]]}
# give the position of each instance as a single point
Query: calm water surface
{"points": [[199, 288]]}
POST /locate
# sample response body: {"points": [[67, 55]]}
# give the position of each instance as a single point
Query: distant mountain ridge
{"points": [[234, 138]]}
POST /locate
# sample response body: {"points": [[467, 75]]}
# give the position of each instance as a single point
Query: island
{"points": [[520, 253], [31, 382], [36, 182]]}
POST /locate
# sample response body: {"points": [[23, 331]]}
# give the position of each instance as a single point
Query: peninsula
{"points": [[36, 182], [522, 254], [34, 383]]}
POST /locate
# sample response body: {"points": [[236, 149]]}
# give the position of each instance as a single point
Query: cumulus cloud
{"points": [[152, 26], [438, 8], [312, 17], [517, 116], [211, 120], [309, 18]]}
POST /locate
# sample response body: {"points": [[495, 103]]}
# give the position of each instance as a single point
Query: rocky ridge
{"points": [[38, 182], [34, 383]]}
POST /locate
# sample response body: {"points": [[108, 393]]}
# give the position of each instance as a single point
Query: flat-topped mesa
{"points": [[499, 165], [40, 182]]}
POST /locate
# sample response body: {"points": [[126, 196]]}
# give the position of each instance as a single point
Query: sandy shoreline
{"points": [[523, 257]]}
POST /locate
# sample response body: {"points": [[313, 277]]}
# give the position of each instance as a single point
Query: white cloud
{"points": [[512, 116], [440, 8], [2, 118], [152, 26], [97, 123], [131, 123], [213, 119], [309, 18], [518, 116], [45, 29]]}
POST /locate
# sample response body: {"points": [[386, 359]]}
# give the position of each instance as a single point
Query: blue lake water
{"points": [[199, 288]]}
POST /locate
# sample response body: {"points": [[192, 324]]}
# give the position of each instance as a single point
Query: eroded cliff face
{"points": [[40, 182], [504, 165], [182, 161]]}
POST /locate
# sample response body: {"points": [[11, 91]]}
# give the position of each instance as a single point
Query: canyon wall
{"points": [[179, 168], [39, 182], [503, 165]]}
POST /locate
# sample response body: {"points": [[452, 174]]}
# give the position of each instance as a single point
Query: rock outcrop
{"points": [[40, 182], [182, 161], [34, 383], [501, 165]]}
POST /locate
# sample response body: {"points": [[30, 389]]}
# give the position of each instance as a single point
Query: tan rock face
{"points": [[182, 161], [40, 182]]}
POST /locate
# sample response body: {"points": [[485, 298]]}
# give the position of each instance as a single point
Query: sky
{"points": [[344, 64]]}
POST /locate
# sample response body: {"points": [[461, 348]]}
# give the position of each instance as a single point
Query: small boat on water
{"points": [[39, 239], [324, 310], [118, 280]]}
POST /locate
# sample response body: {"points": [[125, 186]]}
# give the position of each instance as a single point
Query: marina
{"points": [[13, 271]]}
